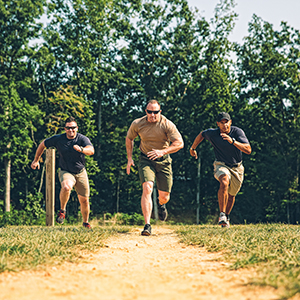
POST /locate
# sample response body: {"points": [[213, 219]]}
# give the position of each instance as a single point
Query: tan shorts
{"points": [[161, 170], [235, 174], [80, 181]]}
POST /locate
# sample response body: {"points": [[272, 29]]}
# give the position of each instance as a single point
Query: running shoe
{"points": [[147, 230], [162, 211], [87, 225], [61, 216], [222, 219], [227, 225]]}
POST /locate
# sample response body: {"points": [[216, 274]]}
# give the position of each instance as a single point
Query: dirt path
{"points": [[137, 267]]}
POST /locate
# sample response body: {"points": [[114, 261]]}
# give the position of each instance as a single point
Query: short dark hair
{"points": [[153, 101], [70, 119]]}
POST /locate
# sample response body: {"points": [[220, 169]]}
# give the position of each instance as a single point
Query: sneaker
{"points": [[147, 230], [61, 216], [227, 225], [222, 219], [87, 225], [162, 211]]}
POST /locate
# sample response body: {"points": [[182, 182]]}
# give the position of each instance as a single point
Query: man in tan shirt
{"points": [[159, 138]]}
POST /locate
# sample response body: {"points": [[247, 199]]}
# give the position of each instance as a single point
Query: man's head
{"points": [[224, 122], [153, 111], [71, 127]]}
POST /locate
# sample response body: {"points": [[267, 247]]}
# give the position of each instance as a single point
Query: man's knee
{"points": [[224, 181], [83, 200], [66, 186], [163, 197], [147, 187]]}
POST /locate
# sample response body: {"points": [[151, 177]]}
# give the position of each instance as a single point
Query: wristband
{"points": [[81, 148]]}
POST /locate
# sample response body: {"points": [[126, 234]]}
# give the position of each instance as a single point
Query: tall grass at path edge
{"points": [[27, 247], [272, 249]]}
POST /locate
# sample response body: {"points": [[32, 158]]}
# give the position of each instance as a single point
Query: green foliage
{"points": [[134, 219], [272, 249], [22, 217]]}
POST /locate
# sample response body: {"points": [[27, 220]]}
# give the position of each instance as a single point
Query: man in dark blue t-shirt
{"points": [[229, 142], [72, 148]]}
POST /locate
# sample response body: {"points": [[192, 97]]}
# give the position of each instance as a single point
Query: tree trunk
{"points": [[99, 122], [7, 168]]}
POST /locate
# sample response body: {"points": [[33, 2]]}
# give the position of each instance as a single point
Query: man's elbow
{"points": [[92, 151], [248, 150], [181, 145]]}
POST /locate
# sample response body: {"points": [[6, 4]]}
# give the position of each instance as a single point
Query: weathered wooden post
{"points": [[50, 186]]}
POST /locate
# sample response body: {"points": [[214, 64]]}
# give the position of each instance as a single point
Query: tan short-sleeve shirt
{"points": [[156, 135]]}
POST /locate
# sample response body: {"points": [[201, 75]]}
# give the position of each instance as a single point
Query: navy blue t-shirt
{"points": [[224, 151], [69, 159]]}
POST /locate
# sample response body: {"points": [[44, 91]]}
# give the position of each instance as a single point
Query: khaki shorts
{"points": [[161, 170], [80, 181], [235, 174]]}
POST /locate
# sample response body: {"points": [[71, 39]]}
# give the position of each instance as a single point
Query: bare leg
{"points": [[146, 201], [230, 203], [223, 192], [84, 208], [64, 195]]}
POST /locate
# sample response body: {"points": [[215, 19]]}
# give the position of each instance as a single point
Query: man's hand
{"points": [[35, 164], [193, 153], [154, 154], [226, 137], [77, 148], [129, 164]]}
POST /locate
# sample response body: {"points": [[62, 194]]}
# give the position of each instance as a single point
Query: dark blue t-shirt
{"points": [[224, 151], [69, 159]]}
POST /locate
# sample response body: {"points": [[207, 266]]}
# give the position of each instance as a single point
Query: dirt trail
{"points": [[137, 267]]}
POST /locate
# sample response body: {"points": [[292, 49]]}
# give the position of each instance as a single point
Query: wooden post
{"points": [[50, 186], [198, 189]]}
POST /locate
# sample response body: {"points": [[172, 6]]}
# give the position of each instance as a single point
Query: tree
{"points": [[18, 26], [269, 78]]}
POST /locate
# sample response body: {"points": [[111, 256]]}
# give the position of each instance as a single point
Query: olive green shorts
{"points": [[235, 174], [150, 170], [80, 181]]}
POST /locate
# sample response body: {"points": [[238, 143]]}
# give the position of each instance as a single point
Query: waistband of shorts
{"points": [[231, 165], [76, 173], [158, 159]]}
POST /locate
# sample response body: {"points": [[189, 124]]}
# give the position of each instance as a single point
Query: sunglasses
{"points": [[152, 111], [71, 127]]}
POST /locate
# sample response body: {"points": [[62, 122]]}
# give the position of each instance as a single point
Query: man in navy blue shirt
{"points": [[228, 142], [72, 148]]}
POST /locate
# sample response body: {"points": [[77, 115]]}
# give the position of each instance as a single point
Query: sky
{"points": [[272, 11]]}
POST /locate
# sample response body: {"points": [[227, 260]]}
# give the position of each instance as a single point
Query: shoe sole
{"points": [[145, 233], [224, 226], [222, 222]]}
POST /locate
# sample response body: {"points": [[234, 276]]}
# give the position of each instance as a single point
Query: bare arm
{"points": [[175, 146], [199, 138], [129, 150], [87, 150], [39, 151]]}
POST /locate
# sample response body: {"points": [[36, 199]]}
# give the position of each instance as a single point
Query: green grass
{"points": [[272, 249], [28, 247]]}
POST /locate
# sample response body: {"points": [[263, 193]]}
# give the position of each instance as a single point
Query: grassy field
{"points": [[24, 247], [272, 249]]}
